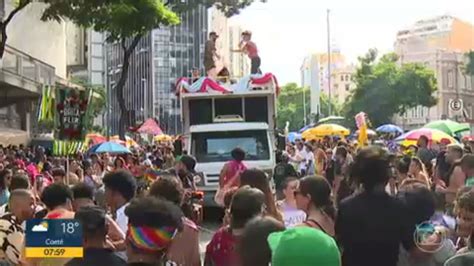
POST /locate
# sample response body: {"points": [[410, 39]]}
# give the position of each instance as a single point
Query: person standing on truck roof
{"points": [[210, 54], [248, 47]]}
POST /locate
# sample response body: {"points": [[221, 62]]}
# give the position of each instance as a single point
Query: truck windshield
{"points": [[216, 146]]}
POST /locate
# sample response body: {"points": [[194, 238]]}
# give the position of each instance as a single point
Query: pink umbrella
{"points": [[151, 127]]}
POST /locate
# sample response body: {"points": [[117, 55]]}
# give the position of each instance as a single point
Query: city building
{"points": [[440, 44], [30, 61], [314, 74], [176, 51], [86, 54], [453, 84], [85, 50], [441, 32], [161, 57], [342, 83], [138, 89]]}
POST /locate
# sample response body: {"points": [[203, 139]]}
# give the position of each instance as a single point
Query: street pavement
{"points": [[212, 222], [205, 235]]}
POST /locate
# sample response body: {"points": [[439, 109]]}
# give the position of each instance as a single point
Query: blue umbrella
{"points": [[110, 147], [293, 136], [389, 128]]}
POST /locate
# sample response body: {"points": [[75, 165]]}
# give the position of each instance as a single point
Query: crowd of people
{"points": [[328, 203]]}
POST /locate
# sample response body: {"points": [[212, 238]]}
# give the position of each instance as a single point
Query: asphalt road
{"points": [[212, 222]]}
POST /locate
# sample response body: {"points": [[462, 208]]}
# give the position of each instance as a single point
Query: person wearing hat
{"points": [[248, 47], [94, 226], [186, 173], [210, 54], [303, 246]]}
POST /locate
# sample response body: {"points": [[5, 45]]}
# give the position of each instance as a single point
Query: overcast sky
{"points": [[286, 31]]}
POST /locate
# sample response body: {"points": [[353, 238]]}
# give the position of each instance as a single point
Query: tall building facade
{"points": [[315, 75], [85, 50], [86, 54], [440, 44], [342, 83], [138, 87], [176, 51], [429, 35]]}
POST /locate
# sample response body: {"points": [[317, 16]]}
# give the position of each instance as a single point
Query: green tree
{"points": [[290, 106], [126, 22], [384, 88], [470, 63]]}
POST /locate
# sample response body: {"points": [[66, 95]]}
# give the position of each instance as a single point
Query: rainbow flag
{"points": [[152, 174]]}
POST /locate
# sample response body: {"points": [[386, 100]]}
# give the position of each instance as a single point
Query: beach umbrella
{"points": [[163, 137], [109, 147], [325, 130], [433, 135], [331, 119], [370, 132], [389, 128], [293, 136], [129, 142], [95, 138], [448, 126], [150, 126]]}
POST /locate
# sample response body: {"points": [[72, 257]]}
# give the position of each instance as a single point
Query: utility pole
{"points": [[329, 65]]}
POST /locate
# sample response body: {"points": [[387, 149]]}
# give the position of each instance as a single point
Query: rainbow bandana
{"points": [[150, 239]]}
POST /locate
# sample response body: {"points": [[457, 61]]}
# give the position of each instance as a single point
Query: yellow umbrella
{"points": [[163, 137], [128, 143], [325, 130]]}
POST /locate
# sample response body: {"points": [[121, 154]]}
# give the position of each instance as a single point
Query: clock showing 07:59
{"points": [[53, 238]]}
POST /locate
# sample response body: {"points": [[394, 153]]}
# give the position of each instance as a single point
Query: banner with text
{"points": [[72, 113]]}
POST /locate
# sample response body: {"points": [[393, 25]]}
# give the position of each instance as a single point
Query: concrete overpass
{"points": [[21, 81]]}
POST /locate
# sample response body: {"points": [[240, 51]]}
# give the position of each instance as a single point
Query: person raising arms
{"points": [[248, 47]]}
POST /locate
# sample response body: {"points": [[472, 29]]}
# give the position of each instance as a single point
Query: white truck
{"points": [[214, 123]]}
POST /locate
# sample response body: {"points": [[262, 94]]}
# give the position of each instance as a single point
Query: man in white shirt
{"points": [[301, 154], [120, 188]]}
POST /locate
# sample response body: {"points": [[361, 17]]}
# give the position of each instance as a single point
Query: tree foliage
{"points": [[470, 63], [290, 106], [384, 88], [228, 7]]}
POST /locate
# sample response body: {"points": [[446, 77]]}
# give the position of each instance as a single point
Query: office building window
{"points": [[342, 77], [450, 79], [347, 77], [348, 87]]}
